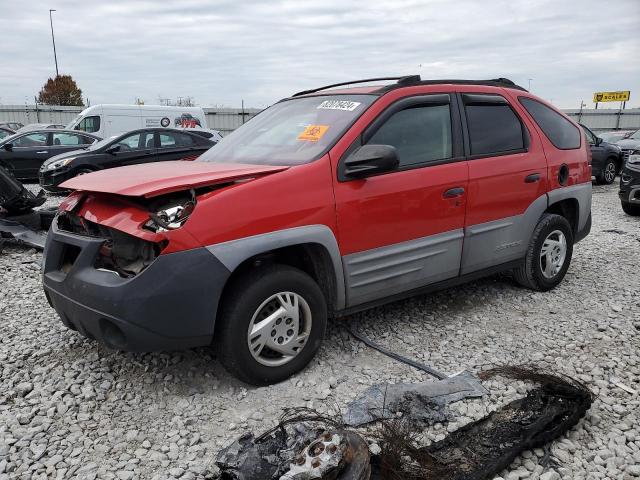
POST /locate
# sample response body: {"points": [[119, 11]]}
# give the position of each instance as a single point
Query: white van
{"points": [[109, 120]]}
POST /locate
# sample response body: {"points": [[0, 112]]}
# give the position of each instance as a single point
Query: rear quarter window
{"points": [[563, 134]]}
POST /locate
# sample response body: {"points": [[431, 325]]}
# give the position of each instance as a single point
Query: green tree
{"points": [[61, 90]]}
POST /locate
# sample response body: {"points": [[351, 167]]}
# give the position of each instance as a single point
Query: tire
{"points": [[532, 274], [83, 171], [608, 174], [629, 209], [253, 298]]}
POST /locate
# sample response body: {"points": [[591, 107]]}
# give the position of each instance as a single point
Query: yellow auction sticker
{"points": [[313, 133]]}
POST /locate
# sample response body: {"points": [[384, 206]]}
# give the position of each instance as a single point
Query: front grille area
{"points": [[625, 154]]}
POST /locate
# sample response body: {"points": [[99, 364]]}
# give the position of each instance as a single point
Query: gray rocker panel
{"points": [[500, 241], [234, 252], [385, 271]]}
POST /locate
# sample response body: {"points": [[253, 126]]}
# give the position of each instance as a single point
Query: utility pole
{"points": [[53, 39]]}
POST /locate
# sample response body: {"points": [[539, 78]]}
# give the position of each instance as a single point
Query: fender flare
{"points": [[232, 253]]}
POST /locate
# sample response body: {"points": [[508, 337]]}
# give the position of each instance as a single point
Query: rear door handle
{"points": [[44, 151], [534, 177], [453, 192]]}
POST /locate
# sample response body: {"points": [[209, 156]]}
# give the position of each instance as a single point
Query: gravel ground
{"points": [[70, 408]]}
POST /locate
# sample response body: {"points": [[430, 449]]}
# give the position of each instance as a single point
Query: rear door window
{"points": [[174, 139], [560, 131], [67, 139], [494, 128]]}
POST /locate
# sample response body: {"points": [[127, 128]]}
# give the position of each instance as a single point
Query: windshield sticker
{"points": [[313, 133], [345, 105]]}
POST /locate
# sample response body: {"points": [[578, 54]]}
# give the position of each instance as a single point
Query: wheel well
{"points": [[311, 258], [569, 209], [617, 160]]}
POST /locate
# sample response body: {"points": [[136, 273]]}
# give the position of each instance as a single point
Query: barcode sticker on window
{"points": [[345, 105]]}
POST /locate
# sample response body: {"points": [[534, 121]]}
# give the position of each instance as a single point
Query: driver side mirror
{"points": [[598, 141], [8, 146], [371, 160], [113, 149]]}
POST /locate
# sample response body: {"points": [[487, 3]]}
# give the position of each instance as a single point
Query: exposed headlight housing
{"points": [[171, 216], [634, 158], [59, 163]]}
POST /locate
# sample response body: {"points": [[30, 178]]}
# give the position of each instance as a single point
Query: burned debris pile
{"points": [[306, 445], [18, 219]]}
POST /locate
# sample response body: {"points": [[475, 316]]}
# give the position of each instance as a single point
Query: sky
{"points": [[223, 52]]}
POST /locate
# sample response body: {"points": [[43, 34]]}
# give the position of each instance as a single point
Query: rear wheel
{"points": [[608, 174], [549, 254], [271, 324], [630, 209]]}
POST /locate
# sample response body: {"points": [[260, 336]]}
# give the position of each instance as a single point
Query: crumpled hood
{"points": [[152, 179]]}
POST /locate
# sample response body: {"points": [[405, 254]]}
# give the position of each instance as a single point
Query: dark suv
{"points": [[606, 158], [329, 202], [630, 183]]}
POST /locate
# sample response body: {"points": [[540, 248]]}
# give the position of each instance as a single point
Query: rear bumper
{"points": [[170, 305]]}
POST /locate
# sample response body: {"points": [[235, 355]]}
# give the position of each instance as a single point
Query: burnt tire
{"points": [[535, 272], [265, 301], [630, 209], [609, 171]]}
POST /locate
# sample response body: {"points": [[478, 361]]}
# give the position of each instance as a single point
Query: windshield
{"points": [[291, 132], [635, 135]]}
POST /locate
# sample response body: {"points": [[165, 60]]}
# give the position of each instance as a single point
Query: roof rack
{"points": [[408, 79], [416, 80]]}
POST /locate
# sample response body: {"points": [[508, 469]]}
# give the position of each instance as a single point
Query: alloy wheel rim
{"points": [[553, 254], [610, 172], [279, 329]]}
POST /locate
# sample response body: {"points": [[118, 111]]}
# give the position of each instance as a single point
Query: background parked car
{"points": [[606, 158], [139, 146], [23, 153], [629, 144], [6, 132], [15, 126], [630, 184], [40, 126]]}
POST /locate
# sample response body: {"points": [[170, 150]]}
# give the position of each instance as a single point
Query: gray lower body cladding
{"points": [[170, 305]]}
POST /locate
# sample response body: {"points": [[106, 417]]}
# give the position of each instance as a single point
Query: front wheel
{"points": [[630, 209], [549, 254], [271, 324]]}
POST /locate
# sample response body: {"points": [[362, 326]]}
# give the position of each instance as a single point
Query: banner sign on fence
{"points": [[622, 96]]}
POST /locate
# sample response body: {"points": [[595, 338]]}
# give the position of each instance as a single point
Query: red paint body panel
{"points": [[297, 196], [152, 179], [579, 170], [496, 184]]}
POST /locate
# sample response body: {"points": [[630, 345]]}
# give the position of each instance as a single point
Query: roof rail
{"points": [[404, 80]]}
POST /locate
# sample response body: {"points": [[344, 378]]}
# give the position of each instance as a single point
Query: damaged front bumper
{"points": [[171, 304]]}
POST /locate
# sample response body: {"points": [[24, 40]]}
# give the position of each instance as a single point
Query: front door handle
{"points": [[534, 177], [42, 152], [453, 192]]}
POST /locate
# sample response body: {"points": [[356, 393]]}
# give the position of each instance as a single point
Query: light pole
{"points": [[530, 84], [53, 39]]}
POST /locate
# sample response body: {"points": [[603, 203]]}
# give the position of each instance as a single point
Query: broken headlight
{"points": [[171, 215]]}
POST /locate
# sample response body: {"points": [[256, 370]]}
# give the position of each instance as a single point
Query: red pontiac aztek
{"points": [[326, 203]]}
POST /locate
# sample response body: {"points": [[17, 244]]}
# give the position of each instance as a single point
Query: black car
{"points": [[606, 158], [6, 132], [24, 153], [138, 146], [630, 184]]}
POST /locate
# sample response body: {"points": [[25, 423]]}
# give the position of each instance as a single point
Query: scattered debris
{"points": [[615, 230], [328, 451], [17, 218], [422, 403], [616, 381]]}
